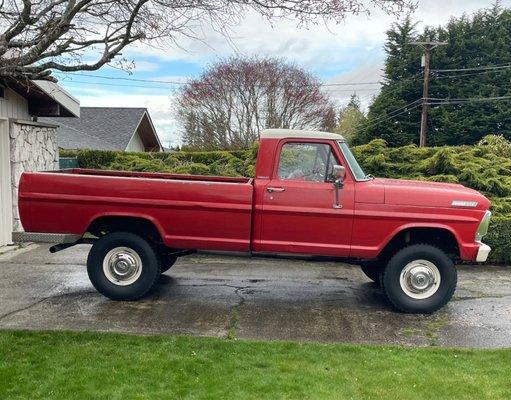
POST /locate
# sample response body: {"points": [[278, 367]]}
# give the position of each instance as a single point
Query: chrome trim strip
{"points": [[42, 237], [464, 203]]}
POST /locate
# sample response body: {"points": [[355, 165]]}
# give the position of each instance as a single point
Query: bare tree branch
{"points": [[235, 99], [39, 36]]}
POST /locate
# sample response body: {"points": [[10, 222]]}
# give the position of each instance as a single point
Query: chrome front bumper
{"points": [[23, 237], [483, 252]]}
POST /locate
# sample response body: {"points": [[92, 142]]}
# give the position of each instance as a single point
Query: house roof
{"points": [[107, 128], [57, 93], [45, 98]]}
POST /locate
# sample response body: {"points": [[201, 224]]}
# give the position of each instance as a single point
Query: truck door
{"points": [[299, 214]]}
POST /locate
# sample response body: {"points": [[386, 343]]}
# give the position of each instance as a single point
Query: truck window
{"points": [[353, 163], [306, 162]]}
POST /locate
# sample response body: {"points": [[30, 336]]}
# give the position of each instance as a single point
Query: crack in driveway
{"points": [[234, 320]]}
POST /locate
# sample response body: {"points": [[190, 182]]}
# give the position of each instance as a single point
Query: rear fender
{"points": [[143, 216]]}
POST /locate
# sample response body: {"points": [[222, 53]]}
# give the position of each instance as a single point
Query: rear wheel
{"points": [[123, 266], [419, 279]]}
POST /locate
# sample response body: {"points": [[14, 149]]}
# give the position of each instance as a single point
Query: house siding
{"points": [[13, 105], [136, 143]]}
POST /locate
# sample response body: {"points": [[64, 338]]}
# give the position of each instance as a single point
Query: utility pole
{"points": [[428, 45]]}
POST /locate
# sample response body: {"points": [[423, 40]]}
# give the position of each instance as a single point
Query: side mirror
{"points": [[339, 173]]}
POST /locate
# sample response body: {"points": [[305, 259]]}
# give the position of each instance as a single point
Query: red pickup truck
{"points": [[309, 197]]}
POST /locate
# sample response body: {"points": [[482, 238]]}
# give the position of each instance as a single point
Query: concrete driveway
{"points": [[256, 298]]}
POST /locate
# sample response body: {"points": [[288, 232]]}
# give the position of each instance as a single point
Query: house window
{"points": [[2, 92]]}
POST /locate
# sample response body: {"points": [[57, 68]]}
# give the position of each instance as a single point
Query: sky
{"points": [[351, 51]]}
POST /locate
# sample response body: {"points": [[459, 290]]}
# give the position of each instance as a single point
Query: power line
{"points": [[457, 76], [441, 101], [171, 82], [374, 123], [436, 101], [394, 113], [120, 84], [121, 78], [353, 90], [169, 88], [351, 83], [483, 68], [390, 114]]}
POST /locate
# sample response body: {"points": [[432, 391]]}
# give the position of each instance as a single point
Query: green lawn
{"points": [[63, 365]]}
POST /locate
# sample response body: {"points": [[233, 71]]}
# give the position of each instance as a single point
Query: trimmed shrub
{"points": [[497, 144], [192, 169], [95, 158], [499, 239]]}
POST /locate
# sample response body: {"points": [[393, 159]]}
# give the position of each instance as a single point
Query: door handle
{"points": [[275, 189]]}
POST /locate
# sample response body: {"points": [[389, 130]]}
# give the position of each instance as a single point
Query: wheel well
{"points": [[139, 226], [441, 238]]}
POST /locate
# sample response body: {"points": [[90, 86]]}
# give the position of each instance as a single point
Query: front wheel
{"points": [[419, 279], [123, 266]]}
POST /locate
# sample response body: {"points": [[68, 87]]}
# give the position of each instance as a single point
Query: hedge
{"points": [[485, 167], [226, 163], [499, 239]]}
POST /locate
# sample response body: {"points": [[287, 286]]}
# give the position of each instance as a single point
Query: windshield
{"points": [[355, 167]]}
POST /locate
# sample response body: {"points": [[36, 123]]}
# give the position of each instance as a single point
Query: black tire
{"points": [[404, 302], [149, 268], [167, 262], [372, 271]]}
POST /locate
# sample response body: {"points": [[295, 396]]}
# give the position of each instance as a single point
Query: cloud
{"points": [[369, 71], [145, 66], [320, 46], [348, 52]]}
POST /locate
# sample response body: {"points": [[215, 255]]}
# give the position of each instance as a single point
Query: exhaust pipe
{"points": [[63, 246]]}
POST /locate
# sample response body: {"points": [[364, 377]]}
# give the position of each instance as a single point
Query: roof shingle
{"points": [[107, 128]]}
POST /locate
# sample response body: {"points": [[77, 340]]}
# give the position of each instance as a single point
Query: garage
{"points": [[25, 143]]}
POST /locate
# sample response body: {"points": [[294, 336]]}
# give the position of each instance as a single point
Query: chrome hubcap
{"points": [[122, 266], [420, 279]]}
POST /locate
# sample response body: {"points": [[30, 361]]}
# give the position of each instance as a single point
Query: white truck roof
{"points": [[297, 133]]}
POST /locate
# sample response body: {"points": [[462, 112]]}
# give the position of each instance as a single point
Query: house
{"points": [[108, 128], [27, 144]]}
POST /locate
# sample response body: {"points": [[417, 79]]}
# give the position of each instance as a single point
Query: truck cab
{"points": [[309, 196]]}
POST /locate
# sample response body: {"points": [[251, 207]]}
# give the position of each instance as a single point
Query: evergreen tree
{"points": [[474, 42], [351, 119]]}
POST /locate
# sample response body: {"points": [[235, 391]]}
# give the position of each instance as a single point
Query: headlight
{"points": [[482, 230]]}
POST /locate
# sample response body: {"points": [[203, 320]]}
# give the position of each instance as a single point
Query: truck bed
{"points": [[154, 175], [189, 211]]}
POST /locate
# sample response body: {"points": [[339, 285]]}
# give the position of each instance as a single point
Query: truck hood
{"points": [[430, 194]]}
